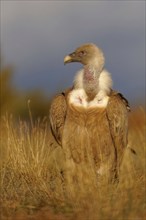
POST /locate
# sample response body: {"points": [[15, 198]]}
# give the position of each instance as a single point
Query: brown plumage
{"points": [[91, 128]]}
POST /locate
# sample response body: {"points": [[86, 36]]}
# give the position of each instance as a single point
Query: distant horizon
{"points": [[35, 37]]}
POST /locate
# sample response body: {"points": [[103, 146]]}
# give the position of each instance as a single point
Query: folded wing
{"points": [[117, 115]]}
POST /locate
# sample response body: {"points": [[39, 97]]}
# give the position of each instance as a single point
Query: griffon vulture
{"points": [[90, 120]]}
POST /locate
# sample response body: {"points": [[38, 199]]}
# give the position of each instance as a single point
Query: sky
{"points": [[36, 35]]}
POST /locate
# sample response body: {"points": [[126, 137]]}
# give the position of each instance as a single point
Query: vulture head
{"points": [[87, 54], [92, 79]]}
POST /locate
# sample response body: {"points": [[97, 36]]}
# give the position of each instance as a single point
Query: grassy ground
{"points": [[32, 185]]}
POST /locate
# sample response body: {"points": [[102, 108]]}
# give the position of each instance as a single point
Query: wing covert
{"points": [[57, 116], [117, 114]]}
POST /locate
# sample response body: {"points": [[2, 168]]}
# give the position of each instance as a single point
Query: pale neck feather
{"points": [[105, 80]]}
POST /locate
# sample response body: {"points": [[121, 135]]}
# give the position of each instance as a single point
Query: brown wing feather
{"points": [[117, 114], [58, 114]]}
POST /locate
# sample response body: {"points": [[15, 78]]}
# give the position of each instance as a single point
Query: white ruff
{"points": [[78, 97], [105, 81]]}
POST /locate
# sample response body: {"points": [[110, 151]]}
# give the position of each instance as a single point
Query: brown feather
{"points": [[96, 137], [117, 115], [58, 114]]}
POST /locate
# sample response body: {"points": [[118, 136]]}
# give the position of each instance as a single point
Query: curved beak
{"points": [[67, 59]]}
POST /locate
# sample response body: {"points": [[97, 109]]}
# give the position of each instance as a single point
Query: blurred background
{"points": [[36, 35]]}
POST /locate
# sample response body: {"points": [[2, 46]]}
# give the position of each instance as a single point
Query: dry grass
{"points": [[32, 184]]}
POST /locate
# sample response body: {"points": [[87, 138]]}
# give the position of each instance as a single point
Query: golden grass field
{"points": [[32, 185]]}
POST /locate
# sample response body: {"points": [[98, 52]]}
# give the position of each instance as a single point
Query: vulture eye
{"points": [[82, 53], [73, 54]]}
